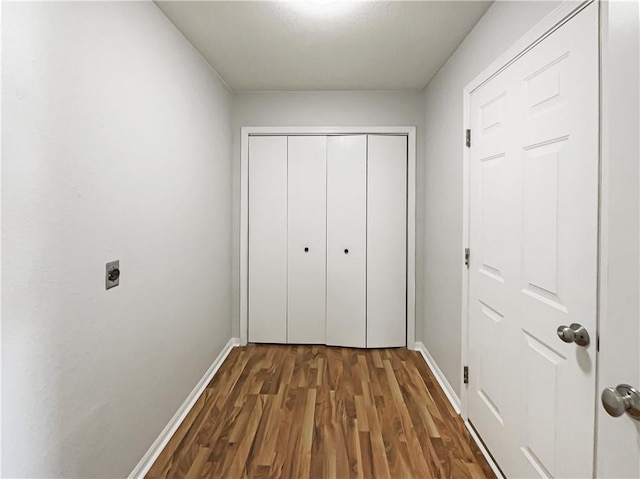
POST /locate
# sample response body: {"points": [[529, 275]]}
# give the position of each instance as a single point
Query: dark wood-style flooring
{"points": [[321, 412]]}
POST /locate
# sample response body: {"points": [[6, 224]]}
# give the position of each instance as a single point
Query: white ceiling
{"points": [[325, 44]]}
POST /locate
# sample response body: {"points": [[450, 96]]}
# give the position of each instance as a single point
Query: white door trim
{"points": [[558, 17], [619, 151], [409, 131]]}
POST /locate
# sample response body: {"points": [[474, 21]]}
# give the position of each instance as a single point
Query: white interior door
{"points": [[307, 239], [619, 359], [386, 241], [267, 239], [346, 240], [533, 241]]}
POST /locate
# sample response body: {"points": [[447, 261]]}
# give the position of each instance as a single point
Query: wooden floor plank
{"points": [[275, 411], [198, 463]]}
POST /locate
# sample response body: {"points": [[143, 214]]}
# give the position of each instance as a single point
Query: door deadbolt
{"points": [[623, 398], [576, 333]]}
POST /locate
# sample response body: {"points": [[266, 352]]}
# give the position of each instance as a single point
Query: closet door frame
{"points": [[408, 131]]}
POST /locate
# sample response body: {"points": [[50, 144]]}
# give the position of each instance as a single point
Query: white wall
{"points": [[323, 109], [116, 146], [503, 24]]}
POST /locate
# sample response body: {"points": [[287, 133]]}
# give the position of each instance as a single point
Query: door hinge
{"points": [[466, 374], [467, 257], [468, 138]]}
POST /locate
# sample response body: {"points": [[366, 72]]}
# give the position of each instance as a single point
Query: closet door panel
{"points": [[307, 239], [386, 241], [346, 240], [268, 239]]}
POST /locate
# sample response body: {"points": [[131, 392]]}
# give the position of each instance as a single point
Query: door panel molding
{"points": [[251, 131]]}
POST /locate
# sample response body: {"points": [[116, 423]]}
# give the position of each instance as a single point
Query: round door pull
{"points": [[306, 250], [623, 398], [576, 333], [346, 251]]}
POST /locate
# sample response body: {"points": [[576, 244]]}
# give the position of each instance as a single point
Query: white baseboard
{"points": [[455, 402], [161, 441], [442, 380], [492, 463]]}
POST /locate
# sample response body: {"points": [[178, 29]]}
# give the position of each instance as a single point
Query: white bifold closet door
{"points": [[307, 239], [386, 241], [267, 239], [346, 240], [328, 240]]}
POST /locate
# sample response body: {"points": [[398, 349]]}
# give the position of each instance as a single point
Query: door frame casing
{"points": [[619, 252], [408, 131]]}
